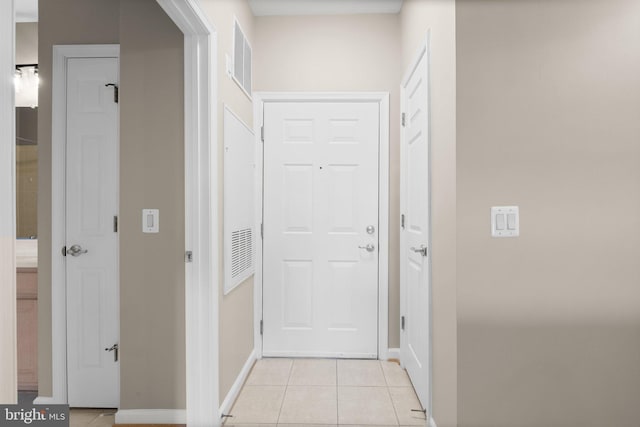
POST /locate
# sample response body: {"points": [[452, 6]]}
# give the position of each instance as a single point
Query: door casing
{"points": [[382, 98]]}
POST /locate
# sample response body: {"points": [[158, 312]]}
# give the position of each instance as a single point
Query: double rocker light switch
{"points": [[505, 221]]}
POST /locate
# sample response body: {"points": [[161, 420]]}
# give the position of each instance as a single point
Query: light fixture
{"points": [[26, 84]]}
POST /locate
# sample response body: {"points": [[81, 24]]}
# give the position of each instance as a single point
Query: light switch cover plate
{"points": [[150, 220], [505, 221]]}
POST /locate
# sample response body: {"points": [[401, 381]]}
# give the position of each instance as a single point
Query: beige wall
{"points": [[438, 16], [152, 272], [151, 176], [94, 21], [27, 43], [236, 308], [340, 53], [548, 119]]}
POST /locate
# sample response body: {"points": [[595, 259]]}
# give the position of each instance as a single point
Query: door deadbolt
{"points": [[371, 229]]}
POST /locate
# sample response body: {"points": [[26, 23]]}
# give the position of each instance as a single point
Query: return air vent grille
{"points": [[241, 251], [241, 59], [239, 195]]}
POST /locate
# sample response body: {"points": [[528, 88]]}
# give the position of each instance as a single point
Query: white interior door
{"points": [[415, 236], [91, 239], [320, 280]]}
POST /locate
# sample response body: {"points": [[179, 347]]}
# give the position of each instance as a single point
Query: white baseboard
{"points": [[151, 416], [393, 353], [45, 400], [432, 422], [231, 397]]}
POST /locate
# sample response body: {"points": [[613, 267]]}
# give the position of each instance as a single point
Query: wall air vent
{"points": [[239, 194], [241, 251], [241, 59]]}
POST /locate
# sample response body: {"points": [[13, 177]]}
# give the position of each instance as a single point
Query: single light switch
{"points": [[150, 220], [505, 221]]}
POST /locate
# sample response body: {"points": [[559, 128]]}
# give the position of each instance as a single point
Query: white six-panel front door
{"points": [[320, 264], [91, 204]]}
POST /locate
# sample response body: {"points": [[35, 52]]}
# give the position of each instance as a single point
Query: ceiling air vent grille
{"points": [[241, 59]]}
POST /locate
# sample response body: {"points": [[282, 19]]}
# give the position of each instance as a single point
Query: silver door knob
{"points": [[76, 250], [370, 247], [422, 250]]}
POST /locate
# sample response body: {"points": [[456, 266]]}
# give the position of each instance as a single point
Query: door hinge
{"points": [[262, 133], [188, 256], [261, 327], [402, 221], [262, 230], [402, 323], [64, 251], [116, 91], [115, 223], [404, 119]]}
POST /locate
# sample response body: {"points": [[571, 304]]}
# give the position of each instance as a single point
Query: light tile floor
{"points": [[326, 392], [92, 417], [77, 417]]}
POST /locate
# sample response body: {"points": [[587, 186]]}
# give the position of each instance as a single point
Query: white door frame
{"points": [[8, 333], [423, 52], [201, 194], [201, 212], [201, 231], [382, 98]]}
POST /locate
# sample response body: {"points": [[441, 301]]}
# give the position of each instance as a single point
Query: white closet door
{"points": [[91, 203]]}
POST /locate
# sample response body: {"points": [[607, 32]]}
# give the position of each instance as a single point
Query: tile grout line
{"points": [[393, 405], [337, 400], [286, 387]]}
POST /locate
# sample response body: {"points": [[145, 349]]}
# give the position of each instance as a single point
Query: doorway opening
{"points": [[321, 287]]}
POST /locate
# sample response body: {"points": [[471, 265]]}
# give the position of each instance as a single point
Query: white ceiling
{"points": [[323, 7], [26, 10]]}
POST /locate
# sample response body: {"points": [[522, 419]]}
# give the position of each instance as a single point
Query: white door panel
{"points": [[320, 290], [415, 266], [91, 204]]}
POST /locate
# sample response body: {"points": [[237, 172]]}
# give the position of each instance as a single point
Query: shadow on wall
{"points": [[577, 374]]}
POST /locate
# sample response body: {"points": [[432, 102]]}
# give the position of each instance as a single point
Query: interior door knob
{"points": [[76, 250], [370, 247], [422, 250]]}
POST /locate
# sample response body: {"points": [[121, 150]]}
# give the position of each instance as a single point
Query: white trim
{"points": [[201, 210], [231, 397], [151, 416], [61, 53], [393, 353], [423, 50], [40, 400], [383, 266], [432, 422], [8, 316]]}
